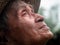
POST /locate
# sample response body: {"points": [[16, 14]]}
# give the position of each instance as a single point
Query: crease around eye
{"points": [[24, 13]]}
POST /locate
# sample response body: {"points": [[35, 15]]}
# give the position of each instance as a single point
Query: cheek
{"points": [[26, 22], [27, 27]]}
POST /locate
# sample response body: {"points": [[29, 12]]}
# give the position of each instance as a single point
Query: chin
{"points": [[42, 38], [49, 35], [46, 36], [45, 33]]}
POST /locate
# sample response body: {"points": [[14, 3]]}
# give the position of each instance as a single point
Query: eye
{"points": [[24, 12], [32, 10]]}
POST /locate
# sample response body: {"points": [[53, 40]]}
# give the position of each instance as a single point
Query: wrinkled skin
{"points": [[28, 27]]}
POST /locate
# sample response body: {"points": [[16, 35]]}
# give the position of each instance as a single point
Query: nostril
{"points": [[39, 19]]}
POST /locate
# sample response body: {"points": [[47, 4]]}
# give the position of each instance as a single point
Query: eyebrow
{"points": [[30, 6], [24, 7]]}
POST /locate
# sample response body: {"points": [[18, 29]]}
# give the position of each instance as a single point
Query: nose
{"points": [[39, 18]]}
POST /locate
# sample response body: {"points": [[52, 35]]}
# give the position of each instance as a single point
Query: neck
{"points": [[38, 43], [10, 42], [14, 42]]}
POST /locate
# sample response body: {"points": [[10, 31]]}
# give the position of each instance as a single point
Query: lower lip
{"points": [[45, 28]]}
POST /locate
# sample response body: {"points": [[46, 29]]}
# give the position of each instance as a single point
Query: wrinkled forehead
{"points": [[25, 5]]}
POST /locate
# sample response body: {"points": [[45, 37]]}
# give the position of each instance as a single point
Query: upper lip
{"points": [[42, 26]]}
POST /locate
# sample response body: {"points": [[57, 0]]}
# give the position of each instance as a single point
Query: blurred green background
{"points": [[50, 9]]}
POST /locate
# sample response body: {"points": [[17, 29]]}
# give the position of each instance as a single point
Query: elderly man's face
{"points": [[29, 26]]}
